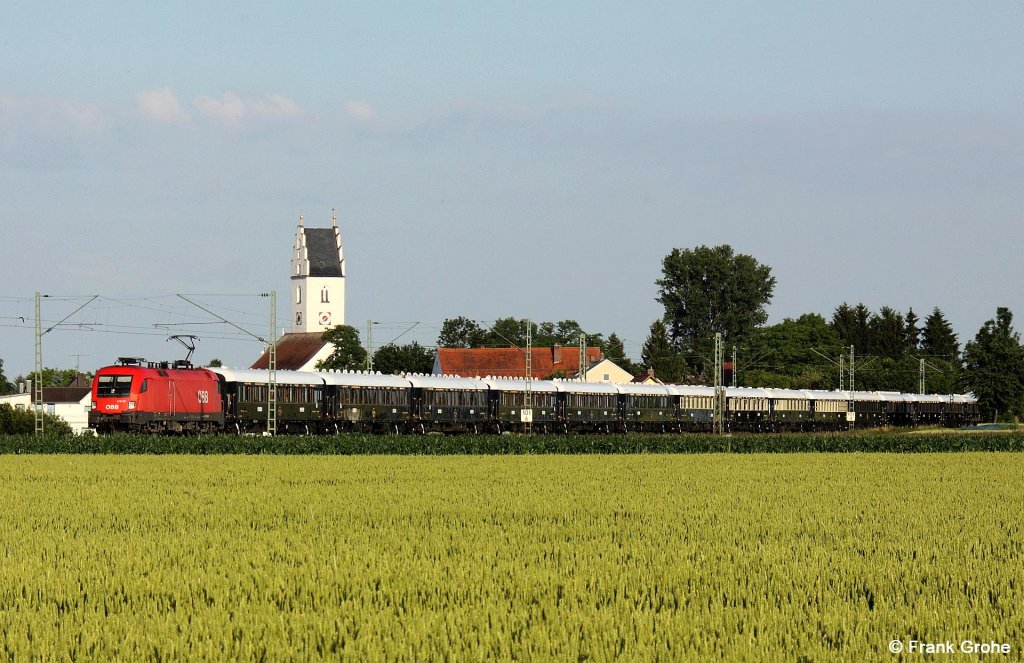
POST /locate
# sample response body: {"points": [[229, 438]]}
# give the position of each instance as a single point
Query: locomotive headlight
{"points": [[131, 405], [94, 405]]}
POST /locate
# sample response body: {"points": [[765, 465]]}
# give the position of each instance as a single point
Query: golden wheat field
{"points": [[761, 557]]}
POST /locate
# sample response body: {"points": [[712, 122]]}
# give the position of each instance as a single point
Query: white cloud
{"points": [[360, 110], [161, 106], [85, 116], [235, 110], [46, 132]]}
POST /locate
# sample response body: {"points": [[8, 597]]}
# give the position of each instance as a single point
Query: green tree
{"points": [[215, 363], [567, 332], [712, 290], [411, 358], [940, 349], [508, 332], [658, 353], [348, 354], [55, 377], [938, 338], [994, 368], [23, 422], [888, 334], [792, 354], [460, 332], [942, 376], [615, 350], [880, 373], [913, 332], [853, 324], [5, 386]]}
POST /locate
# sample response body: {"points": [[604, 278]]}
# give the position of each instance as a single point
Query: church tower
{"points": [[318, 278]]}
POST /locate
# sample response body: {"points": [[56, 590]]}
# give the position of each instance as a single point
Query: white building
{"points": [[608, 372]]}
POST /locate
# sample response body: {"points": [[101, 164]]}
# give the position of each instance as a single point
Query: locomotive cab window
{"points": [[114, 385]]}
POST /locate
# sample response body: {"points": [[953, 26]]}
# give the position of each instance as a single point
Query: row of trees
{"points": [[462, 332], [706, 291]]}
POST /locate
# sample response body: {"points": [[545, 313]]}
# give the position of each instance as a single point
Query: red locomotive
{"points": [[139, 396]]}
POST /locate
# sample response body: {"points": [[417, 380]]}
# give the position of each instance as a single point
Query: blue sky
{"points": [[495, 159]]}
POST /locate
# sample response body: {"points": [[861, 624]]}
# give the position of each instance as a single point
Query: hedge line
{"points": [[358, 443]]}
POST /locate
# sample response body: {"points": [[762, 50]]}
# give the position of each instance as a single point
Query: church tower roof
{"points": [[323, 252], [318, 251]]}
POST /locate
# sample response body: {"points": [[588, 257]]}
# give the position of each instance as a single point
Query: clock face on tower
{"points": [[325, 319]]}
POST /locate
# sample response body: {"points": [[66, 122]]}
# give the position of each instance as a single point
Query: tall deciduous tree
{"points": [[460, 332], [994, 367], [348, 355], [709, 290]]}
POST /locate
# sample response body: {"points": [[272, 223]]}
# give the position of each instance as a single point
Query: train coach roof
{"points": [[775, 392], [751, 392], [361, 379], [518, 384], [257, 376], [896, 397], [929, 398], [870, 396], [445, 382], [690, 390], [827, 395], [637, 389], [573, 387]]}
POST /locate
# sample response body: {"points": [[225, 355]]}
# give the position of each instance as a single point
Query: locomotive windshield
{"points": [[114, 385]]}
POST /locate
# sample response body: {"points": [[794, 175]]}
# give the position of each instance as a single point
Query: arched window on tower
{"points": [[324, 298], [298, 295]]}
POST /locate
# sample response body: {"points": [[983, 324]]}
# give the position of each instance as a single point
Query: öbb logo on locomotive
{"points": [[138, 396]]}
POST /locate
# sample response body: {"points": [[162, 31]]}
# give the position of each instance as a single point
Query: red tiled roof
{"points": [[293, 351], [511, 362]]}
